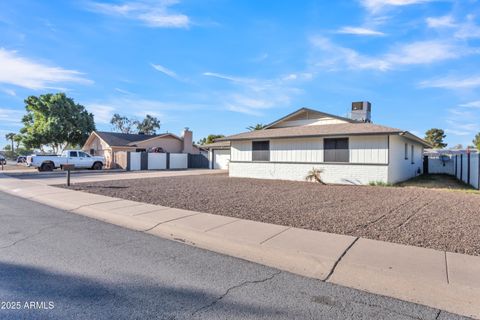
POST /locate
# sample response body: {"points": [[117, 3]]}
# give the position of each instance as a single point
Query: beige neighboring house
{"points": [[101, 143], [347, 150]]}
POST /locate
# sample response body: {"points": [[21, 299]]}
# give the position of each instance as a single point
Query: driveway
{"points": [[439, 219], [72, 267]]}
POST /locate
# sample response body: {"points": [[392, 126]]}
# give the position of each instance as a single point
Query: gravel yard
{"points": [[444, 220]]}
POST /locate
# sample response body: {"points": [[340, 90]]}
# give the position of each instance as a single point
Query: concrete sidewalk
{"points": [[438, 279]]}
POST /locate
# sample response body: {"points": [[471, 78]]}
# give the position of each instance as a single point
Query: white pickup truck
{"points": [[78, 158]]}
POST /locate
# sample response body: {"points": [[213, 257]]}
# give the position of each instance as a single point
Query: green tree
{"points": [[11, 136], [18, 140], [56, 121], [121, 124], [435, 137], [476, 141], [258, 126], [210, 139], [149, 125]]}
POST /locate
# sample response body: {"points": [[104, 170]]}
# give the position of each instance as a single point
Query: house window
{"points": [[336, 150], [260, 150], [412, 152], [406, 151]]}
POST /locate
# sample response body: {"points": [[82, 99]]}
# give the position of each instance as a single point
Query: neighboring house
{"points": [[218, 154], [347, 150], [107, 143]]}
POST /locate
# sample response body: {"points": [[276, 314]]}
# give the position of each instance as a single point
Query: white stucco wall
{"points": [[332, 173], [291, 159], [363, 149], [401, 169]]}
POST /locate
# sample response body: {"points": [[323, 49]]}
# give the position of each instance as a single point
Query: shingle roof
{"points": [[316, 130], [118, 139]]}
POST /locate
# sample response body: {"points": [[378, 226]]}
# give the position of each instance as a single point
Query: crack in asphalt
{"points": [[211, 304], [39, 231], [438, 314], [339, 259]]}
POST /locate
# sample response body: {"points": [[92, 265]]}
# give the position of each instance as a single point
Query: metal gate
{"points": [[425, 164], [198, 161]]}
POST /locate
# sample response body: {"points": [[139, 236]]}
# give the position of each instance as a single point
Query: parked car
{"points": [[76, 157], [3, 161], [21, 159]]}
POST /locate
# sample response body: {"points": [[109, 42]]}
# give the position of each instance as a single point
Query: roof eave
{"points": [[413, 137], [312, 135], [307, 109]]}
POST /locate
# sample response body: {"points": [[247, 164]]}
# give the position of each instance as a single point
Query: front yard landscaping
{"points": [[432, 218]]}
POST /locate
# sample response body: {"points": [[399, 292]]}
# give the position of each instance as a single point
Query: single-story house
{"points": [[347, 150], [218, 154], [105, 144]]}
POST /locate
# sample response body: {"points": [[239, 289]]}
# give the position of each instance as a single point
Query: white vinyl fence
{"points": [[156, 161], [464, 166]]}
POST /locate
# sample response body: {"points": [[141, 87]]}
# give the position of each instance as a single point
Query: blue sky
{"points": [[218, 66]]}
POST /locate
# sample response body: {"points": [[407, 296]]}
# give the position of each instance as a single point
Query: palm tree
{"points": [[11, 136], [258, 126]]}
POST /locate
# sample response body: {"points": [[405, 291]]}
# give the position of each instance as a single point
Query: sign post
{"points": [[68, 168]]}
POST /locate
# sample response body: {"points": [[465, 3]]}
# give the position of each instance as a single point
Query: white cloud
{"points": [[375, 6], [440, 22], [469, 29], [23, 72], [472, 104], [335, 57], [452, 82], [253, 96], [421, 52], [226, 77], [103, 113], [11, 115], [123, 91], [128, 106], [425, 52], [151, 13], [10, 92], [165, 70], [360, 31], [463, 121]]}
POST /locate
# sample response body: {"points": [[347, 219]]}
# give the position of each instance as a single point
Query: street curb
{"points": [[425, 276]]}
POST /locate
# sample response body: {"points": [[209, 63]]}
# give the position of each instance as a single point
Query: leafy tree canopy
{"points": [[56, 121], [210, 139], [11, 136], [476, 141], [149, 125], [258, 126], [121, 124], [435, 137]]}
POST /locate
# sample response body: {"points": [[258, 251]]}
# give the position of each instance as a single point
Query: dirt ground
{"points": [[438, 181], [439, 219]]}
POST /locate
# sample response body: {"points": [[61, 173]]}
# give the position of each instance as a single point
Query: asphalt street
{"points": [[58, 265]]}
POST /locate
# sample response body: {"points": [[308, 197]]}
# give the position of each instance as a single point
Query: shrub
{"points": [[315, 175], [380, 184]]}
